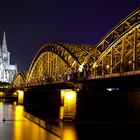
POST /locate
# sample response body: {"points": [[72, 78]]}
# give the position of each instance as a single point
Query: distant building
{"points": [[7, 71]]}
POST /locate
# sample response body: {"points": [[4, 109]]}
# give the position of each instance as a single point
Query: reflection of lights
{"points": [[15, 103], [18, 112], [24, 129], [18, 127], [69, 133], [129, 62]]}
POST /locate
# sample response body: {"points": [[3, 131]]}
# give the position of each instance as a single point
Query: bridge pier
{"points": [[68, 104], [20, 96]]}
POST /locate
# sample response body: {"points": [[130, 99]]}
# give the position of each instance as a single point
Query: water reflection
{"points": [[14, 126], [17, 127], [69, 132]]}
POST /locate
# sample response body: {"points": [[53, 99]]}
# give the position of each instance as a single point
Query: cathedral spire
{"points": [[4, 44]]}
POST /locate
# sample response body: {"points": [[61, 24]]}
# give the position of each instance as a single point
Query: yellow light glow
{"points": [[18, 127], [94, 65], [80, 68], [69, 95], [69, 133], [15, 93], [20, 96], [107, 66], [69, 103], [1, 93]]}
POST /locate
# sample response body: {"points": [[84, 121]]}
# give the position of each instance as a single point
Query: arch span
{"points": [[54, 61], [20, 80], [119, 50]]}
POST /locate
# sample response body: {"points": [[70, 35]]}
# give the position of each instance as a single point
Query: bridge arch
{"points": [[20, 80], [119, 50], [54, 61]]}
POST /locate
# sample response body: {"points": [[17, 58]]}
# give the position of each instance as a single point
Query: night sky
{"points": [[29, 24]]}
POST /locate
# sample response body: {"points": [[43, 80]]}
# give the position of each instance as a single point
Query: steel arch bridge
{"points": [[20, 80], [56, 62], [119, 50], [116, 54]]}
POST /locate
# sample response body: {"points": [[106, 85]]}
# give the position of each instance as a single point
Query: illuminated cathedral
{"points": [[7, 71]]}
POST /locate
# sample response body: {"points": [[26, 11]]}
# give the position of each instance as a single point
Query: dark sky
{"points": [[29, 24]]}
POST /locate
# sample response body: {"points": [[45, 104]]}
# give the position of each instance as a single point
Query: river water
{"points": [[14, 126]]}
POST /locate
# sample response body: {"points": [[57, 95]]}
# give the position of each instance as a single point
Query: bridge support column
{"points": [[68, 104], [20, 96]]}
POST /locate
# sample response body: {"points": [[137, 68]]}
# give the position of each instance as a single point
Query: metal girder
{"points": [[53, 61], [20, 80], [118, 47]]}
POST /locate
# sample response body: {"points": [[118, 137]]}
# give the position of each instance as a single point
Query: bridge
{"points": [[118, 53], [67, 66]]}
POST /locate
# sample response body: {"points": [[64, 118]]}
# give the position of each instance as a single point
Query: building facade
{"points": [[7, 71]]}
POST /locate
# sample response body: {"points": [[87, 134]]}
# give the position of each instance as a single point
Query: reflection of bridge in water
{"points": [[69, 66]]}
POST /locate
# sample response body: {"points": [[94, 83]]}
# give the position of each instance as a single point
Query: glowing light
{"points": [[15, 93], [107, 66], [69, 133], [68, 97], [112, 89], [1, 94], [28, 130], [18, 115], [94, 65], [20, 96], [80, 68]]}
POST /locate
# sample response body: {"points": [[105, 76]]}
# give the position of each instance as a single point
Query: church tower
{"points": [[7, 71], [6, 53]]}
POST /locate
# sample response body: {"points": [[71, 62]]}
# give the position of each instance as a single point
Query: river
{"points": [[14, 126]]}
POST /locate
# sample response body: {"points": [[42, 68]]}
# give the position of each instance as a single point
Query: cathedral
{"points": [[7, 71]]}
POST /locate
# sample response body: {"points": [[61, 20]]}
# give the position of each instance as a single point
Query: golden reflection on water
{"points": [[18, 127], [69, 132], [25, 129]]}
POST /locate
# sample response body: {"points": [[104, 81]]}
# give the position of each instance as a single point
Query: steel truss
{"points": [[54, 61], [20, 80], [119, 50]]}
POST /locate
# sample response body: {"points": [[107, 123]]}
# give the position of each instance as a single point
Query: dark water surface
{"points": [[14, 126]]}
